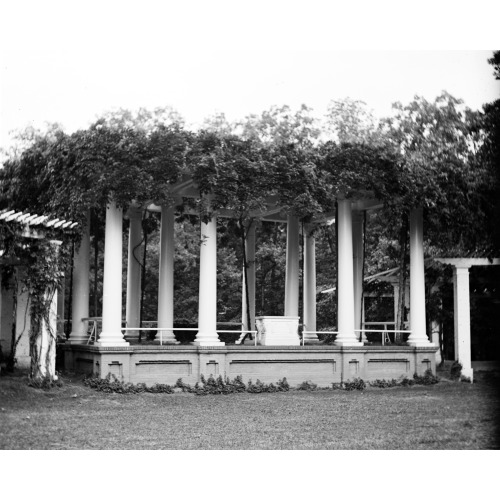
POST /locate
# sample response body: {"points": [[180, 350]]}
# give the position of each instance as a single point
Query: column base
{"points": [[420, 343], [77, 340], [468, 373], [208, 343], [166, 342], [111, 342], [348, 343], [311, 341]]}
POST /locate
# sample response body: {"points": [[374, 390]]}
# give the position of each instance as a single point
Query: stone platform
{"points": [[322, 365]]}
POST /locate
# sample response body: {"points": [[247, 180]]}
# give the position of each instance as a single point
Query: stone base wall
{"points": [[322, 365]]}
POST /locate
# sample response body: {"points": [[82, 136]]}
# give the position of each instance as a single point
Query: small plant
{"points": [[111, 384], [456, 371], [283, 385], [182, 385], [356, 384], [256, 388], [428, 378], [383, 384], [307, 386]]}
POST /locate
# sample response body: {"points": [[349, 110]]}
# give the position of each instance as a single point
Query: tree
{"points": [[280, 126], [349, 121], [147, 120]]}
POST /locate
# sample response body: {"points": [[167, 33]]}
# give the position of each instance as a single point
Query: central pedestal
{"points": [[278, 330]]}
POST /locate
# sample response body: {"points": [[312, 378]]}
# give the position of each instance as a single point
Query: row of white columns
{"points": [[350, 262]]}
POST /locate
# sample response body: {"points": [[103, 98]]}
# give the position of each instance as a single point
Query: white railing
{"points": [[384, 332], [171, 329], [92, 323]]}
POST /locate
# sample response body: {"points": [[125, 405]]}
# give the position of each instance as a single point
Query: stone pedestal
{"points": [[278, 330]]}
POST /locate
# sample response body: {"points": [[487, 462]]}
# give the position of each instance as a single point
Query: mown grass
{"points": [[449, 415]]}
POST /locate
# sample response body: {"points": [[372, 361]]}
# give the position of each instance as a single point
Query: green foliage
{"points": [[307, 386], [349, 121], [456, 371], [111, 384], [357, 384], [428, 378], [384, 384]]}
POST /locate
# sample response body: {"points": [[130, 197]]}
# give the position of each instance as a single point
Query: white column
{"points": [[166, 277], [309, 289], [357, 247], [207, 308], [111, 334], [250, 251], [80, 300], [345, 292], [292, 267], [462, 319], [418, 337], [135, 253]]}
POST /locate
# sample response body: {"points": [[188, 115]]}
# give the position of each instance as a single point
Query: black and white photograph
{"points": [[249, 241]]}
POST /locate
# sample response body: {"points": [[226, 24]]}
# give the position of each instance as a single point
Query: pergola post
{"points": [[135, 252], [166, 275], [80, 300], [309, 291], [418, 336], [250, 253], [345, 293], [357, 247], [111, 334], [207, 307], [461, 303], [292, 267]]}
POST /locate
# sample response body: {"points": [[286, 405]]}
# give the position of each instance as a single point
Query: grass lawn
{"points": [[448, 415]]}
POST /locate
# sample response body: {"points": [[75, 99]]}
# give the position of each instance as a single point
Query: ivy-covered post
{"points": [[309, 289], [80, 295], [357, 246], [248, 285], [111, 334], [135, 249], [418, 336], [345, 292], [21, 346], [166, 275], [292, 267], [207, 306], [45, 343]]}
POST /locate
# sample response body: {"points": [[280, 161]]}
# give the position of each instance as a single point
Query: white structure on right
{"points": [[461, 307]]}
